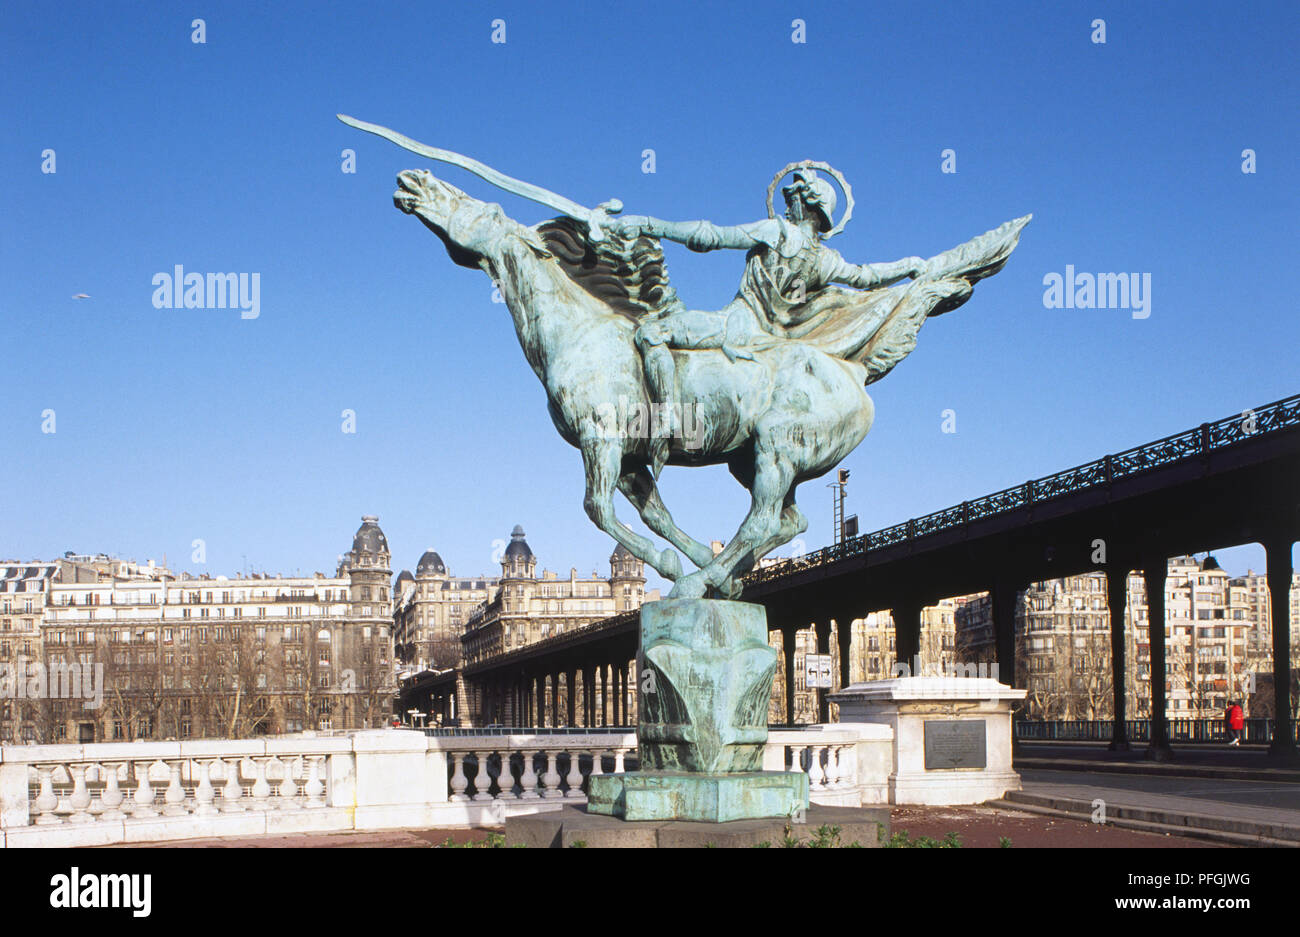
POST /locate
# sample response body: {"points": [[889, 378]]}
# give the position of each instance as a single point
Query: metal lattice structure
{"points": [[1194, 443]]}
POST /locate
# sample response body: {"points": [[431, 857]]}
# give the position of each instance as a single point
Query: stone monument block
{"points": [[952, 735], [705, 680]]}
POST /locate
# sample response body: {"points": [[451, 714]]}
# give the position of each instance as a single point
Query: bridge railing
{"points": [[111, 793], [1255, 731], [1193, 443]]}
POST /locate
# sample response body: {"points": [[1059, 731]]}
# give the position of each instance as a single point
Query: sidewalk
{"points": [[1245, 812], [1189, 761]]}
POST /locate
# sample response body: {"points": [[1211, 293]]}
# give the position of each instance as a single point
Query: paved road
{"points": [[1262, 801], [1253, 757]]}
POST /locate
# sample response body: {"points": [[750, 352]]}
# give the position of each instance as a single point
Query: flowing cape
{"points": [[876, 328]]}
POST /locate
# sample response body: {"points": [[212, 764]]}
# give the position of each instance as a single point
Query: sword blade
{"points": [[514, 186]]}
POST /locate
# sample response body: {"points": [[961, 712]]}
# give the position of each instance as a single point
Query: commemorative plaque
{"points": [[954, 743]]}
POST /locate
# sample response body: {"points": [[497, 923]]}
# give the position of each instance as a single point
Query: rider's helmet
{"points": [[817, 194]]}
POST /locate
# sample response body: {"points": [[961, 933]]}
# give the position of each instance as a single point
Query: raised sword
{"points": [[595, 218]]}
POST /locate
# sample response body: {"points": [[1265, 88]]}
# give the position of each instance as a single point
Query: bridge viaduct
{"points": [[1230, 482]]}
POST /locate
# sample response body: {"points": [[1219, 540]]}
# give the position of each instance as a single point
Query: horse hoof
{"points": [[688, 587], [669, 565], [731, 588]]}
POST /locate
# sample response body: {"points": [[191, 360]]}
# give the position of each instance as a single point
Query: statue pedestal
{"points": [[952, 735], [705, 679]]}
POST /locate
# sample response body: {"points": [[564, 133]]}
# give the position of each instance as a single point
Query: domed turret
{"points": [[430, 564], [626, 579], [518, 545], [369, 538], [518, 561], [368, 572]]}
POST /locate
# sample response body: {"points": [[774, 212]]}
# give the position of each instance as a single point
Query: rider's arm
{"points": [[868, 276], [707, 236]]}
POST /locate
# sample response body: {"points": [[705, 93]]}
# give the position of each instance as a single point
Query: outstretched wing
{"points": [[878, 328], [627, 274]]}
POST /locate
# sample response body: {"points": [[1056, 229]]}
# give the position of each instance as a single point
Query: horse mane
{"points": [[627, 274]]}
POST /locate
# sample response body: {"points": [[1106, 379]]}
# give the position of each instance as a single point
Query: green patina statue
{"points": [[772, 385]]}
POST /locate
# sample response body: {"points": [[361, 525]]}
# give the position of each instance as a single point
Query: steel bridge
{"points": [[1233, 481]]}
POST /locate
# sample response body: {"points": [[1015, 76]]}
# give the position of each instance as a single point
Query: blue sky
{"points": [[181, 424]]}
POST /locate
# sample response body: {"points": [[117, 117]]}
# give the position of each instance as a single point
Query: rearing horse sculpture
{"points": [[775, 381]]}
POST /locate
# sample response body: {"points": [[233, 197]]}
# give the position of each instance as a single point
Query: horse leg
{"points": [[602, 460], [792, 524], [773, 477], [639, 487]]}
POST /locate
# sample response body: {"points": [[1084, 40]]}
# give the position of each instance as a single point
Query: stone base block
{"points": [[951, 787], [577, 827], [710, 798]]}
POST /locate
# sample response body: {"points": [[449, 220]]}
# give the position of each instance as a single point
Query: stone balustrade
{"points": [[848, 764], [108, 793]]}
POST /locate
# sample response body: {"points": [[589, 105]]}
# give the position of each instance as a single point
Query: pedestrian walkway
{"points": [[1251, 763], [1265, 812]]}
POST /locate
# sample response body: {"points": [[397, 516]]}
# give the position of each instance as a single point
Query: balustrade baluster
{"points": [[618, 760], [232, 792], [205, 794], [46, 801], [143, 797], [552, 777], [796, 758], [481, 780], [315, 789], [174, 796], [80, 798], [816, 776], [506, 777], [288, 786], [458, 780], [575, 775], [596, 767], [527, 779], [261, 787], [110, 800], [837, 766]]}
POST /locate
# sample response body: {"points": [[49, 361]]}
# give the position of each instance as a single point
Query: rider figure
{"points": [[785, 264]]}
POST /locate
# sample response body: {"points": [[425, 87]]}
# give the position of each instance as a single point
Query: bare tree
{"points": [[1090, 679]]}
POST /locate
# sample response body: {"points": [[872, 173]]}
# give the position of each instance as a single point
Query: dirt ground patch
{"points": [[983, 828]]}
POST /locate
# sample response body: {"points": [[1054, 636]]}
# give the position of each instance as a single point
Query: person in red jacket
{"points": [[1235, 723]]}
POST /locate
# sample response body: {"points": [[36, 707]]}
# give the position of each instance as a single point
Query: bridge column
{"points": [[787, 651], [606, 696], [570, 702], [822, 629], [1003, 597], [620, 684], [634, 672], [844, 637], [1117, 603], [622, 693], [540, 696], [1155, 570], [1278, 552], [555, 699], [611, 694], [588, 695], [907, 635]]}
